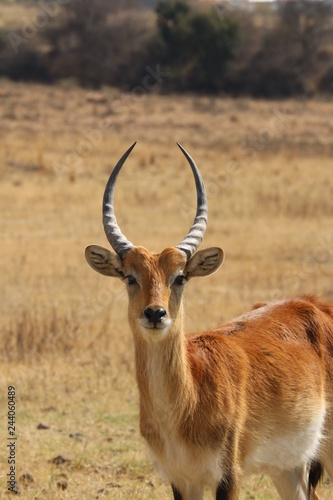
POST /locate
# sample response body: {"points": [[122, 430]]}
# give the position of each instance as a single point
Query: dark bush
{"points": [[289, 58], [98, 44], [28, 65], [196, 46], [24, 64], [326, 82]]}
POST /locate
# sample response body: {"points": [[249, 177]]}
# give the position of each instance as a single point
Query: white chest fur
{"points": [[191, 468]]}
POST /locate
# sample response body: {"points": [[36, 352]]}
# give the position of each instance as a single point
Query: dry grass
{"points": [[65, 343]]}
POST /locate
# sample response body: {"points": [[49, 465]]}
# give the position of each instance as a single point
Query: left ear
{"points": [[103, 261], [204, 262]]}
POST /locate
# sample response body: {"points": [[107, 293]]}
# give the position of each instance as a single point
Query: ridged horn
{"points": [[191, 242], [118, 241]]}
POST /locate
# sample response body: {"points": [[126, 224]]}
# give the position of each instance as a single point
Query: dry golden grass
{"points": [[65, 343]]}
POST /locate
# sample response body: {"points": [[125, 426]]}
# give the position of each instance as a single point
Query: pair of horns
{"points": [[120, 243]]}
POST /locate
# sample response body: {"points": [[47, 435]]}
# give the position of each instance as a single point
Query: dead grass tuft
{"points": [[35, 331]]}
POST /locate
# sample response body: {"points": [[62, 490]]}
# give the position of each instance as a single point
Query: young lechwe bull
{"points": [[253, 395]]}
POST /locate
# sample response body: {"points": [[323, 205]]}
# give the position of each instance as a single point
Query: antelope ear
{"points": [[103, 261], [204, 262]]}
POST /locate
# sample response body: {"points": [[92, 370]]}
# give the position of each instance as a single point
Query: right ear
{"points": [[204, 262], [103, 261]]}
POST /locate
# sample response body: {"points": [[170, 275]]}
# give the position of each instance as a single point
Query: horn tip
{"points": [[183, 150]]}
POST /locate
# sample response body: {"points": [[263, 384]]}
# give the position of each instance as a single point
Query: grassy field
{"points": [[65, 344]]}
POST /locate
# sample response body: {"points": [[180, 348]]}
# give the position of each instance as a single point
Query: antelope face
{"points": [[155, 282]]}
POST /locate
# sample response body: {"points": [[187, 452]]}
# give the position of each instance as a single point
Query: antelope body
{"points": [[252, 395]]}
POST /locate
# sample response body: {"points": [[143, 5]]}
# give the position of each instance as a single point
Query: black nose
{"points": [[154, 315]]}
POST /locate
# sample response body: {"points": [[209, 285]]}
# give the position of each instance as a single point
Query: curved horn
{"points": [[118, 241], [191, 242]]}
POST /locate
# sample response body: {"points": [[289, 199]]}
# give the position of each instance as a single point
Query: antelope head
{"points": [[155, 282]]}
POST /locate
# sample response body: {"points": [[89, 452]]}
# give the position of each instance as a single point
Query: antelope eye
{"points": [[180, 280], [130, 280]]}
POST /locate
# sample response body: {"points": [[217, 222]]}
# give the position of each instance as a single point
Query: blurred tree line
{"points": [[225, 48]]}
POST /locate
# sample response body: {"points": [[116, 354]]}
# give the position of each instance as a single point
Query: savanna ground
{"points": [[65, 344]]}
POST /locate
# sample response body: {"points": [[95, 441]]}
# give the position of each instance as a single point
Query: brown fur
{"points": [[233, 396], [225, 385]]}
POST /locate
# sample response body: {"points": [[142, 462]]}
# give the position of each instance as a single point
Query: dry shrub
{"points": [[97, 44], [37, 331]]}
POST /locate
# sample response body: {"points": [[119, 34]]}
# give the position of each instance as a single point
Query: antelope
{"points": [[252, 395]]}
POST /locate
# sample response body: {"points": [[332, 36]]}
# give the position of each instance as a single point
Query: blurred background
{"points": [[238, 47], [246, 87]]}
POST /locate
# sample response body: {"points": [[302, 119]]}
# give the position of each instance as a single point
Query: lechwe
{"points": [[253, 395]]}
